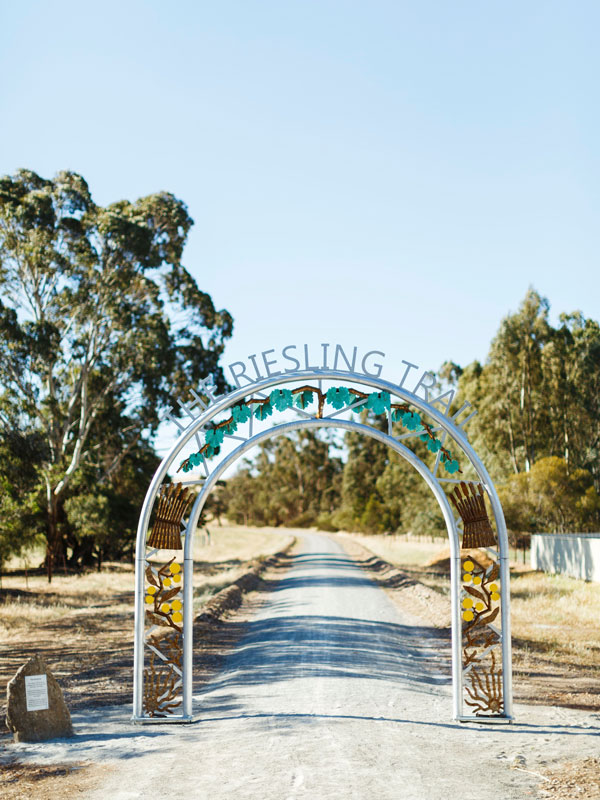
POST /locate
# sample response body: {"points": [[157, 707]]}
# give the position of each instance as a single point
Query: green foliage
{"points": [[292, 482], [101, 327], [550, 498], [21, 506], [538, 393], [325, 522]]}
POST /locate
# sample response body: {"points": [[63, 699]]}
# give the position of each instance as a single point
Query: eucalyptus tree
{"points": [[291, 481], [572, 364], [510, 391], [538, 392], [101, 326]]}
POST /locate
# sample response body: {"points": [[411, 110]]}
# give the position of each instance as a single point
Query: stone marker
{"points": [[36, 709]]}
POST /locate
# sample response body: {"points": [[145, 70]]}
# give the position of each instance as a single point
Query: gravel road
{"points": [[332, 693]]}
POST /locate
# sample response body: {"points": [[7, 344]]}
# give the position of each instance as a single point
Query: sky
{"points": [[393, 175]]}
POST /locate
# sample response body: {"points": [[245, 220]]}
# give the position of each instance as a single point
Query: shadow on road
{"points": [[284, 648]]}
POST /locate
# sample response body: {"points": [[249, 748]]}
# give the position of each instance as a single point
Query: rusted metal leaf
{"points": [[150, 577], [490, 617], [166, 596], [475, 593]]}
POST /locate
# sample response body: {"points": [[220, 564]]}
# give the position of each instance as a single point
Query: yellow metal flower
{"points": [[469, 566], [467, 602], [467, 616], [175, 568], [495, 596], [165, 608], [467, 577], [176, 605], [151, 590], [177, 616], [176, 578], [149, 599]]}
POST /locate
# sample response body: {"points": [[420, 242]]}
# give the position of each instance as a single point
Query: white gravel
{"points": [[331, 694]]}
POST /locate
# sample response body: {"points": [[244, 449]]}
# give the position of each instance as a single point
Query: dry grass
{"points": [[559, 612], [35, 602], [29, 601], [20, 781], [230, 542], [397, 550], [580, 778]]}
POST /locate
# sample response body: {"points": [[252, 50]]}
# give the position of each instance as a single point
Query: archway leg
{"points": [[506, 637], [138, 652], [188, 630], [456, 627]]}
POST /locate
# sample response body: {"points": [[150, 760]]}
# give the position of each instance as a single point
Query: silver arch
{"points": [[222, 404]]}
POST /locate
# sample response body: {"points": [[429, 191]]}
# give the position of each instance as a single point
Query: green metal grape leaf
{"points": [[303, 399], [281, 399], [411, 420], [263, 410], [214, 437], [231, 428], [241, 413], [434, 445], [338, 397], [379, 402]]}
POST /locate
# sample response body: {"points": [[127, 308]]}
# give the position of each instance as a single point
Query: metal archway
{"points": [[155, 696]]}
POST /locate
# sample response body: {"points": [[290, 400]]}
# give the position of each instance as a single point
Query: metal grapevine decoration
{"points": [[173, 501], [338, 397], [471, 507]]}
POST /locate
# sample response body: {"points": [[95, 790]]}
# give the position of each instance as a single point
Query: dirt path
{"points": [[331, 693]]}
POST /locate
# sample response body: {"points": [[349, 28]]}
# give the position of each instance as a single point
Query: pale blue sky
{"points": [[387, 174]]}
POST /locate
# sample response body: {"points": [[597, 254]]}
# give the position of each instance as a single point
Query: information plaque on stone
{"points": [[36, 692]]}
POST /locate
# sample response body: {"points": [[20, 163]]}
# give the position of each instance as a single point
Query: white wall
{"points": [[574, 554]]}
